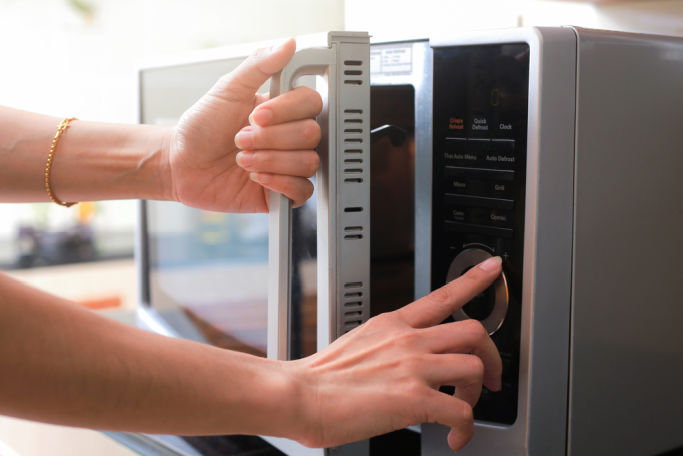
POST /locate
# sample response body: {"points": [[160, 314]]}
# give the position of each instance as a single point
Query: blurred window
{"points": [[42, 234]]}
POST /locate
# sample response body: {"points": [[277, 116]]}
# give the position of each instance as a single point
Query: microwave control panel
{"points": [[479, 178]]}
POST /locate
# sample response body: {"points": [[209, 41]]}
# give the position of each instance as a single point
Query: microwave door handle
{"points": [[313, 61], [345, 48]]}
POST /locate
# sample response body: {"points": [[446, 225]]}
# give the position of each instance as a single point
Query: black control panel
{"points": [[479, 147]]}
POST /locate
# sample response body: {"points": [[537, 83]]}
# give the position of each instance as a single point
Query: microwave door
{"points": [[319, 256]]}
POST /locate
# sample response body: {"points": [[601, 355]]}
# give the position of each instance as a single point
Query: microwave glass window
{"points": [[207, 271], [208, 274], [303, 286], [392, 197]]}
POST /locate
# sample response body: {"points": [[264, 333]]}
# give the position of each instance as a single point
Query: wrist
{"points": [[152, 174], [99, 161], [302, 404], [160, 155], [285, 400]]}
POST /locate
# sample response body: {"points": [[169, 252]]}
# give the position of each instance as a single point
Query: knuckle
{"points": [[442, 296], [313, 99], [412, 388], [312, 163], [262, 161], [475, 367], [380, 320], [300, 193], [475, 329], [311, 132], [413, 364], [464, 412]]}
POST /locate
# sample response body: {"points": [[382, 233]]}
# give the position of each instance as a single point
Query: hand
{"points": [[385, 374], [278, 138]]}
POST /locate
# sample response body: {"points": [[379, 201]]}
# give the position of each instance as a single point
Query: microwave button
{"points": [[505, 127], [457, 214], [499, 160], [480, 124], [497, 217], [482, 216], [499, 188], [458, 185], [455, 151], [501, 155]]}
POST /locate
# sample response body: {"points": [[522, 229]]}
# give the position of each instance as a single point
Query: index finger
{"points": [[298, 104], [439, 304]]}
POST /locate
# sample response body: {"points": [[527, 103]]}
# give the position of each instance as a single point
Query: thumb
{"points": [[244, 81]]}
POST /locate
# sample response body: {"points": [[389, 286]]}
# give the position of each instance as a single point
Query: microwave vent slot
{"points": [[353, 232], [353, 294]]}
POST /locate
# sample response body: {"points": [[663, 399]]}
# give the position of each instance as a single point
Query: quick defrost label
{"points": [[391, 60]]}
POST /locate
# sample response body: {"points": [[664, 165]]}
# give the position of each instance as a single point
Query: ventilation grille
{"points": [[353, 163], [353, 179], [353, 232], [353, 313], [352, 72], [353, 166]]}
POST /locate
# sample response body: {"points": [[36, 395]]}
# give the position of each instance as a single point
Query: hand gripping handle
{"points": [[343, 182]]}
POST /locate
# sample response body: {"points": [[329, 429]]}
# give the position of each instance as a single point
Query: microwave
{"points": [[558, 149]]}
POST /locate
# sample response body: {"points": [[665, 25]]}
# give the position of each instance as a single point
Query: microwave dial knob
{"points": [[491, 306]]}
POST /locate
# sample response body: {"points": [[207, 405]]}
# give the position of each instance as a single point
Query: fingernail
{"points": [[261, 117], [260, 178], [491, 264], [244, 139], [245, 159]]}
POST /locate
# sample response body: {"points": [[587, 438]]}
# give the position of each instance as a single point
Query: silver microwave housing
{"points": [[601, 363]]}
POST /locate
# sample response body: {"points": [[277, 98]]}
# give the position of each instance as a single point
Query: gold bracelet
{"points": [[63, 125]]}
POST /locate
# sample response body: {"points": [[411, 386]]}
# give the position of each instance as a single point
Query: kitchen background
{"points": [[79, 58]]}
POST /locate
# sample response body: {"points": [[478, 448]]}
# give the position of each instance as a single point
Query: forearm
{"points": [[93, 161], [63, 364]]}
